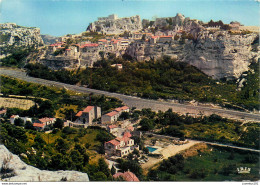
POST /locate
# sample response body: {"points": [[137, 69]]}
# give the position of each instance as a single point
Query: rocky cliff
{"points": [[219, 54], [13, 169], [13, 36], [114, 25]]}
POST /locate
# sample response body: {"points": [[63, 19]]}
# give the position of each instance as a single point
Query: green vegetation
{"points": [[17, 58], [218, 164], [59, 150], [165, 78], [209, 128], [48, 100]]}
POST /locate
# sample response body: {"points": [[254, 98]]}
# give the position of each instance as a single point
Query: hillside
{"points": [[14, 169]]}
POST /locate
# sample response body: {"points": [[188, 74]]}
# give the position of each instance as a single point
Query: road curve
{"points": [[137, 102]]}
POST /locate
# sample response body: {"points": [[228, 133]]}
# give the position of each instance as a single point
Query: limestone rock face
{"points": [[14, 36], [23, 172], [218, 55], [221, 54], [114, 25]]}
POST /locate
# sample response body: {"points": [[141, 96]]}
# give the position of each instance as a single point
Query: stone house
{"points": [[14, 117], [110, 117], [47, 121], [39, 126], [120, 146], [87, 116], [164, 39]]}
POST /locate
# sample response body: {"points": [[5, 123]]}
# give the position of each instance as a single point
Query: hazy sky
{"points": [[60, 17]]}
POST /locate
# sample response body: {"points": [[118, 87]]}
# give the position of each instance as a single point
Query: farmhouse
{"points": [[120, 146], [87, 116]]}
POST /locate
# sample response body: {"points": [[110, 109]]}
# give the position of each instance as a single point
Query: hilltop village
{"points": [[178, 37]]}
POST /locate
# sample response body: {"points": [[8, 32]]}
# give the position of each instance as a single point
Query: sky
{"points": [[61, 17]]}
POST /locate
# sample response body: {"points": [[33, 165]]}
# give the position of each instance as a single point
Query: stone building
{"points": [[87, 116]]}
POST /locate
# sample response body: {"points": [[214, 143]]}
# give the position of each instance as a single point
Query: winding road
{"points": [[140, 103]]}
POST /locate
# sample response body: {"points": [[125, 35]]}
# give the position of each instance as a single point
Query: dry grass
{"points": [[24, 104], [59, 112]]}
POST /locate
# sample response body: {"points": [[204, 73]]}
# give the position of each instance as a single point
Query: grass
{"points": [[212, 163]]}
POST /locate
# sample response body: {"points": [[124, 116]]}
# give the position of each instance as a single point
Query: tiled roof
{"points": [[14, 116], [79, 114], [127, 134], [44, 120], [89, 45], [114, 142], [128, 176], [112, 126], [121, 108], [155, 37], [88, 108], [130, 128], [113, 113], [38, 125]]}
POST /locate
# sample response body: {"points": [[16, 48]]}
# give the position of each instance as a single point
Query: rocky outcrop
{"points": [[48, 39], [14, 36], [217, 54], [13, 169], [221, 54], [114, 25]]}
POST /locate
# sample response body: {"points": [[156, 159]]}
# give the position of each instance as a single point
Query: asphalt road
{"points": [[140, 103]]}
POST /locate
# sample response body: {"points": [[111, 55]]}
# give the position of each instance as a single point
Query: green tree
{"points": [[62, 145], [18, 122], [113, 170], [58, 123]]}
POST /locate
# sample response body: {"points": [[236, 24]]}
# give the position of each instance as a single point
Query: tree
{"points": [[99, 176], [62, 145], [125, 115], [18, 122], [103, 167], [39, 142], [146, 124], [113, 170], [29, 125], [58, 123]]}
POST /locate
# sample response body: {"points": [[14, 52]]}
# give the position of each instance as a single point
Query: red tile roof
{"points": [[88, 108], [121, 108], [79, 114], [13, 116], [38, 125], [68, 49], [128, 176], [112, 126], [155, 37], [113, 113], [90, 45], [130, 128], [44, 120], [114, 142], [127, 134]]}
